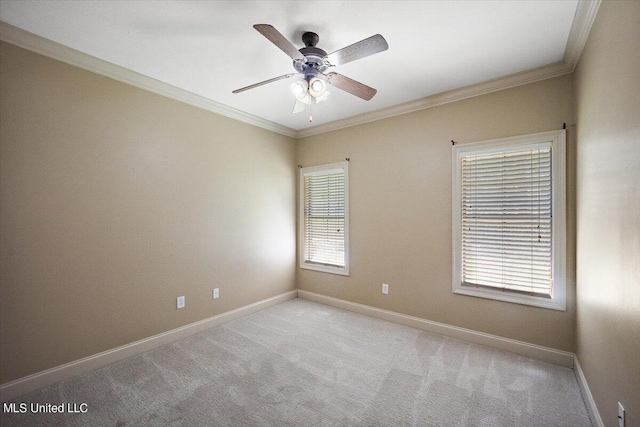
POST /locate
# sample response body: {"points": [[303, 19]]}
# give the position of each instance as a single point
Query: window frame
{"points": [[557, 140], [316, 170]]}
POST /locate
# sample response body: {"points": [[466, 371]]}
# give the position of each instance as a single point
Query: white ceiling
{"points": [[209, 48]]}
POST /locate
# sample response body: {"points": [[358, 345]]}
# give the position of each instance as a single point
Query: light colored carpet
{"points": [[304, 364]]}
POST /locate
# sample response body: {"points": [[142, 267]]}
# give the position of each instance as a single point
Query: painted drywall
{"points": [[400, 183], [114, 201], [608, 210]]}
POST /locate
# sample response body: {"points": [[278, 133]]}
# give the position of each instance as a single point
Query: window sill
{"points": [[506, 296], [343, 271]]}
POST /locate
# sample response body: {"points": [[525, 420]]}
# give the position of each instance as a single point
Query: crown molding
{"points": [[583, 20], [501, 83], [57, 51]]}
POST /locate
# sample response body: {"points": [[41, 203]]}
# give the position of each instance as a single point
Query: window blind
{"points": [[506, 221], [324, 218]]}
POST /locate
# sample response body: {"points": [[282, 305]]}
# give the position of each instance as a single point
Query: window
{"points": [[509, 219], [324, 218]]}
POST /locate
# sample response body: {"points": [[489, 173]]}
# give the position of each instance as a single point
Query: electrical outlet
{"points": [[620, 415], [385, 288], [216, 292], [180, 302]]}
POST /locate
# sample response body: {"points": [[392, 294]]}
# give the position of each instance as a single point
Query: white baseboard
{"points": [[24, 385], [546, 354], [596, 420], [38, 380]]}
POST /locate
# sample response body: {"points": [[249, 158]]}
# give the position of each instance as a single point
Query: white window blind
{"points": [[506, 213], [324, 219]]}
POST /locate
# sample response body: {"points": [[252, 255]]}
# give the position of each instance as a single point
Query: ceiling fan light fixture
{"points": [[300, 89], [317, 87]]}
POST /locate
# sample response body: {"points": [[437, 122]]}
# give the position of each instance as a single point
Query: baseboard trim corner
{"points": [[522, 348], [592, 409], [27, 384]]}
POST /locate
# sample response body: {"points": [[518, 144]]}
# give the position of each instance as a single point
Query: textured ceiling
{"points": [[210, 48]]}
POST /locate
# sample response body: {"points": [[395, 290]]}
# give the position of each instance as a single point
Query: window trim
{"points": [[558, 200], [344, 271]]}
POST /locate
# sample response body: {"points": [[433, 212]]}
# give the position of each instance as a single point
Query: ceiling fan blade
{"points": [[299, 107], [361, 49], [275, 79], [279, 40], [349, 85]]}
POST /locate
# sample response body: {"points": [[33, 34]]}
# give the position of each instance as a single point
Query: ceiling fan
{"points": [[311, 63]]}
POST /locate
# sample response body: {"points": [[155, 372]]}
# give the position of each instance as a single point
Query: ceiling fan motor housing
{"points": [[315, 57]]}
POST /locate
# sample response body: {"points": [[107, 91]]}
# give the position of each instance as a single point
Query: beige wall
{"points": [[608, 210], [114, 201], [400, 200]]}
